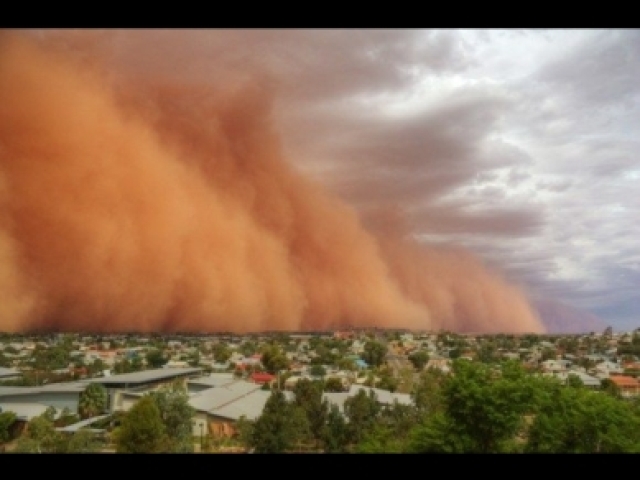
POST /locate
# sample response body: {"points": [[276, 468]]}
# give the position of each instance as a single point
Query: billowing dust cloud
{"points": [[162, 208]]}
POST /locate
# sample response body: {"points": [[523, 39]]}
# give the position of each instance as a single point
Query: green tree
{"points": [[136, 364], [346, 364], [574, 381], [374, 353], [176, 414], [361, 411], [486, 407], [7, 420], [419, 359], [548, 353], [92, 401], [437, 434], [380, 439], [487, 353], [40, 435], [387, 381], [221, 352], [577, 420], [82, 441], [50, 358], [97, 366], [244, 431], [193, 359], [247, 348], [391, 433], [333, 384], [335, 434], [142, 429], [607, 386], [454, 353], [155, 358], [317, 370], [274, 360], [67, 417], [427, 393], [4, 360], [308, 397], [280, 426], [122, 366]]}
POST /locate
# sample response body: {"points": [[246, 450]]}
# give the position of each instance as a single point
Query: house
{"points": [[607, 368], [629, 386], [56, 395], [140, 382], [555, 366], [344, 335], [219, 408], [108, 357], [24, 412], [384, 397], [587, 380], [358, 361], [176, 364], [199, 384], [9, 374], [439, 363], [262, 377]]}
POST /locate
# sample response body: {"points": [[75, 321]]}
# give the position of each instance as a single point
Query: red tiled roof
{"points": [[262, 377], [624, 381]]}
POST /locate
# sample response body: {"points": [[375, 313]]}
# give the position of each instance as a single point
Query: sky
{"points": [[517, 145]]}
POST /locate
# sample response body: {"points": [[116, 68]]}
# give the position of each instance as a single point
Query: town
{"points": [[355, 391]]}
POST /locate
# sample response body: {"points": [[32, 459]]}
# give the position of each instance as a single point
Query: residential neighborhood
{"points": [[228, 379]]}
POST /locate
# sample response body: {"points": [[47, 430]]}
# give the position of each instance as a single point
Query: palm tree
{"points": [[93, 401]]}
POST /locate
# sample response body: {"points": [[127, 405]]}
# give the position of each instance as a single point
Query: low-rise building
{"points": [[629, 386], [140, 382]]}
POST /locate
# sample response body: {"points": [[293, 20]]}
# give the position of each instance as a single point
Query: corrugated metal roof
{"points": [[251, 406], [214, 380], [144, 376], [65, 387], [73, 387], [216, 397], [336, 398], [383, 396], [234, 401], [9, 372], [83, 423], [4, 391], [24, 411]]}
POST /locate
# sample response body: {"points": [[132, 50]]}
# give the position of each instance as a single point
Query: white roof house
{"points": [[383, 396], [9, 373], [232, 401], [57, 395], [24, 411], [211, 380], [588, 380]]}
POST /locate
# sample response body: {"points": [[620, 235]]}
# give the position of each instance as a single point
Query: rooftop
{"points": [[145, 376]]}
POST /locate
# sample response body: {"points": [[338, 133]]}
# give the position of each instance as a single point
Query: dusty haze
{"points": [[133, 205]]}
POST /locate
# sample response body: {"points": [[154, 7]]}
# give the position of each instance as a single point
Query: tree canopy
{"points": [[92, 401], [142, 429], [176, 414], [280, 426]]}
